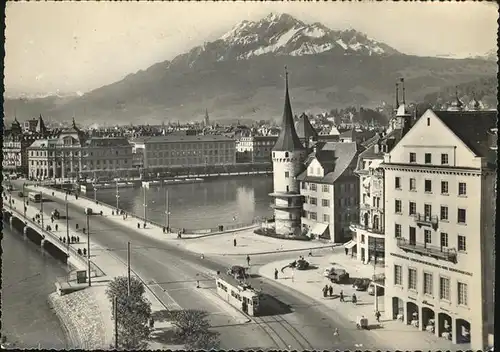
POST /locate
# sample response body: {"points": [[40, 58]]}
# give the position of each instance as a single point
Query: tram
{"points": [[238, 293]]}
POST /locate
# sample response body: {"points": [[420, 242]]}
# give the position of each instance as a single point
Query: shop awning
{"points": [[350, 244], [319, 228]]}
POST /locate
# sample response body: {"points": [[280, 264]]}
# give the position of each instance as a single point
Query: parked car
{"points": [[339, 276], [361, 284], [371, 289]]}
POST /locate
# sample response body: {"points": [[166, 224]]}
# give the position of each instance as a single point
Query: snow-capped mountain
{"points": [[282, 34]]}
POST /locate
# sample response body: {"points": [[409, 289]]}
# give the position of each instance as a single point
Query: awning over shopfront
{"points": [[350, 244], [319, 229]]}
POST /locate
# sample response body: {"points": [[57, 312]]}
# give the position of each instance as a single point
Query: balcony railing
{"points": [[285, 206], [449, 254], [367, 228], [426, 220]]}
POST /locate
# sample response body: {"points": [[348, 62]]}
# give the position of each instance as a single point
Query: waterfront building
{"points": [[163, 152], [288, 162], [368, 241], [256, 149], [440, 191], [330, 190], [16, 142]]}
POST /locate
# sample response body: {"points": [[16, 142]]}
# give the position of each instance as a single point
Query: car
{"points": [[371, 289], [328, 271], [20, 194], [361, 284], [339, 276]]}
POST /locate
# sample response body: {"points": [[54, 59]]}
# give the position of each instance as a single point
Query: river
{"points": [[28, 277], [220, 201]]}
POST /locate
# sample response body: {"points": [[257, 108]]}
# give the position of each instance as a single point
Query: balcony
{"points": [[426, 220], [449, 254], [286, 206], [355, 226]]}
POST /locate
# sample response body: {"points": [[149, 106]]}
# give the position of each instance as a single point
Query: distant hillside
{"points": [[240, 75]]}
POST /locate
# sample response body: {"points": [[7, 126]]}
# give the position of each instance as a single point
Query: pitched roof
{"points": [[334, 157], [287, 139], [471, 127], [304, 128]]}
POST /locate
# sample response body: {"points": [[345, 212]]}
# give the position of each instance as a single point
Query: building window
{"points": [[462, 216], [325, 188], [314, 201], [398, 207], [462, 189], [326, 218], [397, 182], [303, 184], [428, 289], [413, 184], [444, 240], [413, 157], [444, 187], [313, 215], [398, 275], [313, 187], [462, 244], [427, 211], [427, 236], [397, 230], [444, 213], [412, 279], [287, 174], [428, 121], [462, 293], [444, 159], [444, 288], [412, 208], [428, 186], [325, 202], [428, 158]]}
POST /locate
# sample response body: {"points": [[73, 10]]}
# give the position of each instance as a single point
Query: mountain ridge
{"points": [[248, 82]]}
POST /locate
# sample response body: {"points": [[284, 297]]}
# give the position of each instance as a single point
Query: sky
{"points": [[70, 47]]}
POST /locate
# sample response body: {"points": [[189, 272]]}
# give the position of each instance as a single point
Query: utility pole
{"points": [[117, 196], [88, 248], [67, 222], [128, 267], [41, 207], [115, 308], [167, 210], [145, 205], [374, 273]]}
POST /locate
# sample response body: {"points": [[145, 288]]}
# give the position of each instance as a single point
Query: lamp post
{"points": [[88, 248], [67, 222], [95, 193], [41, 207], [145, 205], [24, 202], [167, 210], [117, 196]]}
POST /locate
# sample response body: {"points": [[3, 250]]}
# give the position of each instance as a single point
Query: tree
{"points": [[193, 328], [134, 312]]}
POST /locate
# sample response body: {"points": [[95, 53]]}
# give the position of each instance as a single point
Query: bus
{"points": [[35, 197]]}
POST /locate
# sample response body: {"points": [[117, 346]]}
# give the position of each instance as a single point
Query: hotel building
{"points": [[440, 187]]}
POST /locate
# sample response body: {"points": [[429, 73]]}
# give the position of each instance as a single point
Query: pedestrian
{"points": [[138, 225], [78, 239], [163, 226], [325, 291], [275, 274], [144, 225], [101, 213], [52, 219], [79, 251], [377, 316], [113, 212], [77, 226], [354, 299], [64, 240], [311, 253], [60, 239], [248, 260], [57, 226], [330, 291], [85, 251], [83, 230], [234, 242], [341, 295]]}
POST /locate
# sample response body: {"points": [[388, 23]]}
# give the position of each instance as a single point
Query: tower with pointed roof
{"points": [[288, 157], [456, 105], [207, 118]]}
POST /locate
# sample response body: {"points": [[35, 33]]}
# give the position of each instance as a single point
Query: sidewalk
{"points": [[310, 282], [248, 243]]}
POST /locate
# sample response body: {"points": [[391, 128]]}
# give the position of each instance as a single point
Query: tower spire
{"points": [[397, 96], [403, 84]]}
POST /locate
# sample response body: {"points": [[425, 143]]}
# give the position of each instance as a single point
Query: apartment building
{"points": [[440, 184], [256, 148], [163, 152], [106, 157], [331, 191]]}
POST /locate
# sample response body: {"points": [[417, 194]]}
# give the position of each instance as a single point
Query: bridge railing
{"points": [[97, 271]]}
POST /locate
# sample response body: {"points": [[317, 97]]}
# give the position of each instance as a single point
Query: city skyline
{"points": [[73, 55]]}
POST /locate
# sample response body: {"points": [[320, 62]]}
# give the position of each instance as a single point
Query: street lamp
{"points": [[41, 207], [67, 222], [88, 248], [167, 210], [145, 205], [117, 196], [24, 203]]}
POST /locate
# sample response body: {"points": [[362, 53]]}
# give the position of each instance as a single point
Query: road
{"points": [[295, 321]]}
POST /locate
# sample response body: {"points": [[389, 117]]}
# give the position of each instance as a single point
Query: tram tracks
{"points": [[289, 338]]}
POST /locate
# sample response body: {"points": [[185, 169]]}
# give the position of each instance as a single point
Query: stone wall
{"points": [[80, 316]]}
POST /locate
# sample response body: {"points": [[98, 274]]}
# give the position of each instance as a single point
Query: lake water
{"points": [[28, 277], [214, 202]]}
